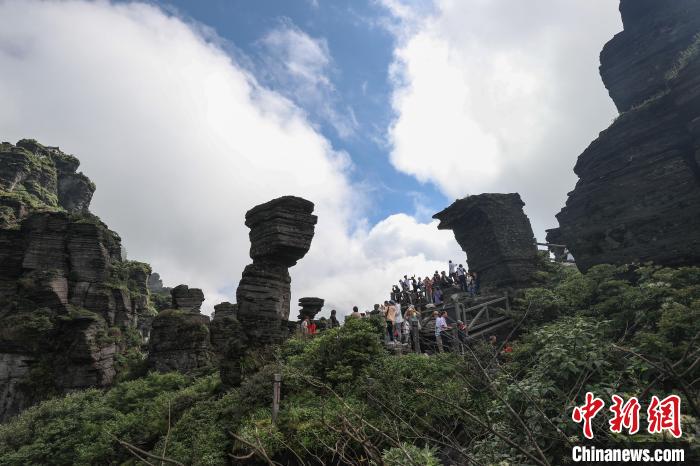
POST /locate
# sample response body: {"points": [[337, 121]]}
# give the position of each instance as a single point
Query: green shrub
{"points": [[410, 455], [339, 355]]}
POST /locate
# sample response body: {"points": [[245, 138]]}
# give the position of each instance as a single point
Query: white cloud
{"points": [[374, 259], [301, 66], [499, 96], [181, 141]]}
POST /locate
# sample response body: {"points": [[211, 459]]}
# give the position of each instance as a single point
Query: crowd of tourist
{"points": [[431, 290], [413, 304]]}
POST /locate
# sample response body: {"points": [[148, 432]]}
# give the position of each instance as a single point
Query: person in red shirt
{"points": [[312, 327]]}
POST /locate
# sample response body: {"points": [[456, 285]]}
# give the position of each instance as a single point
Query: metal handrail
{"points": [[484, 308], [493, 301]]}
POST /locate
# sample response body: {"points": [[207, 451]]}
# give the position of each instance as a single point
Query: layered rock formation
{"points": [[227, 341], [68, 302], [496, 235], [187, 299], [309, 307], [179, 338], [635, 63], [224, 326], [280, 234], [638, 194]]}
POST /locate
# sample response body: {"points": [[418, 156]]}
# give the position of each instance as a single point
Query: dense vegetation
{"points": [[632, 331]]}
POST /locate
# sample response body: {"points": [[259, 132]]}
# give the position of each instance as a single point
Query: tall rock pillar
{"points": [[281, 231]]}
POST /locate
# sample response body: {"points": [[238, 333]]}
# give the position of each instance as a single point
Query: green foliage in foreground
{"points": [[632, 331]]}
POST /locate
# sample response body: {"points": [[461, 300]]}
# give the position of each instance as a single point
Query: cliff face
{"points": [[638, 194], [68, 301], [496, 235], [634, 64]]}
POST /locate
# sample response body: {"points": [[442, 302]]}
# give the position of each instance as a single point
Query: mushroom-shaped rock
{"points": [[309, 307], [496, 235], [281, 230], [187, 299]]}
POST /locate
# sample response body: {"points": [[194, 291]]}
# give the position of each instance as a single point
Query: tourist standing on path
{"points": [[445, 280], [406, 329], [390, 317], [451, 268], [334, 320], [437, 296], [428, 286], [470, 283], [395, 293], [305, 327], [440, 328], [355, 312], [312, 327], [461, 276], [398, 321]]}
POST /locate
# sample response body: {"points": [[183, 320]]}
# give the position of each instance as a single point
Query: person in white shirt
{"points": [[440, 327], [461, 277], [398, 320], [451, 268]]}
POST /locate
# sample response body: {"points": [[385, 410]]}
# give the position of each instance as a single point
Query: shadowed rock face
{"points": [[66, 295], [310, 307], [496, 235], [187, 299], [280, 234], [638, 194], [179, 339], [635, 62], [227, 340]]}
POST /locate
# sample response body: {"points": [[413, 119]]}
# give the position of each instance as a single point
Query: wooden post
{"points": [[276, 389], [416, 336], [455, 339]]}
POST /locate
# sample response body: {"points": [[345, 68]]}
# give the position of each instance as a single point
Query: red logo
{"points": [[626, 415], [665, 415], [587, 412], [662, 415]]}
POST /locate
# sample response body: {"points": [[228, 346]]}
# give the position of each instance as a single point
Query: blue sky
{"points": [[186, 114], [361, 51]]}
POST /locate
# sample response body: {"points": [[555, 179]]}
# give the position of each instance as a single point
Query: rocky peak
{"points": [[68, 301], [225, 309], [37, 178], [187, 299], [638, 194], [636, 62], [496, 235], [180, 337]]}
